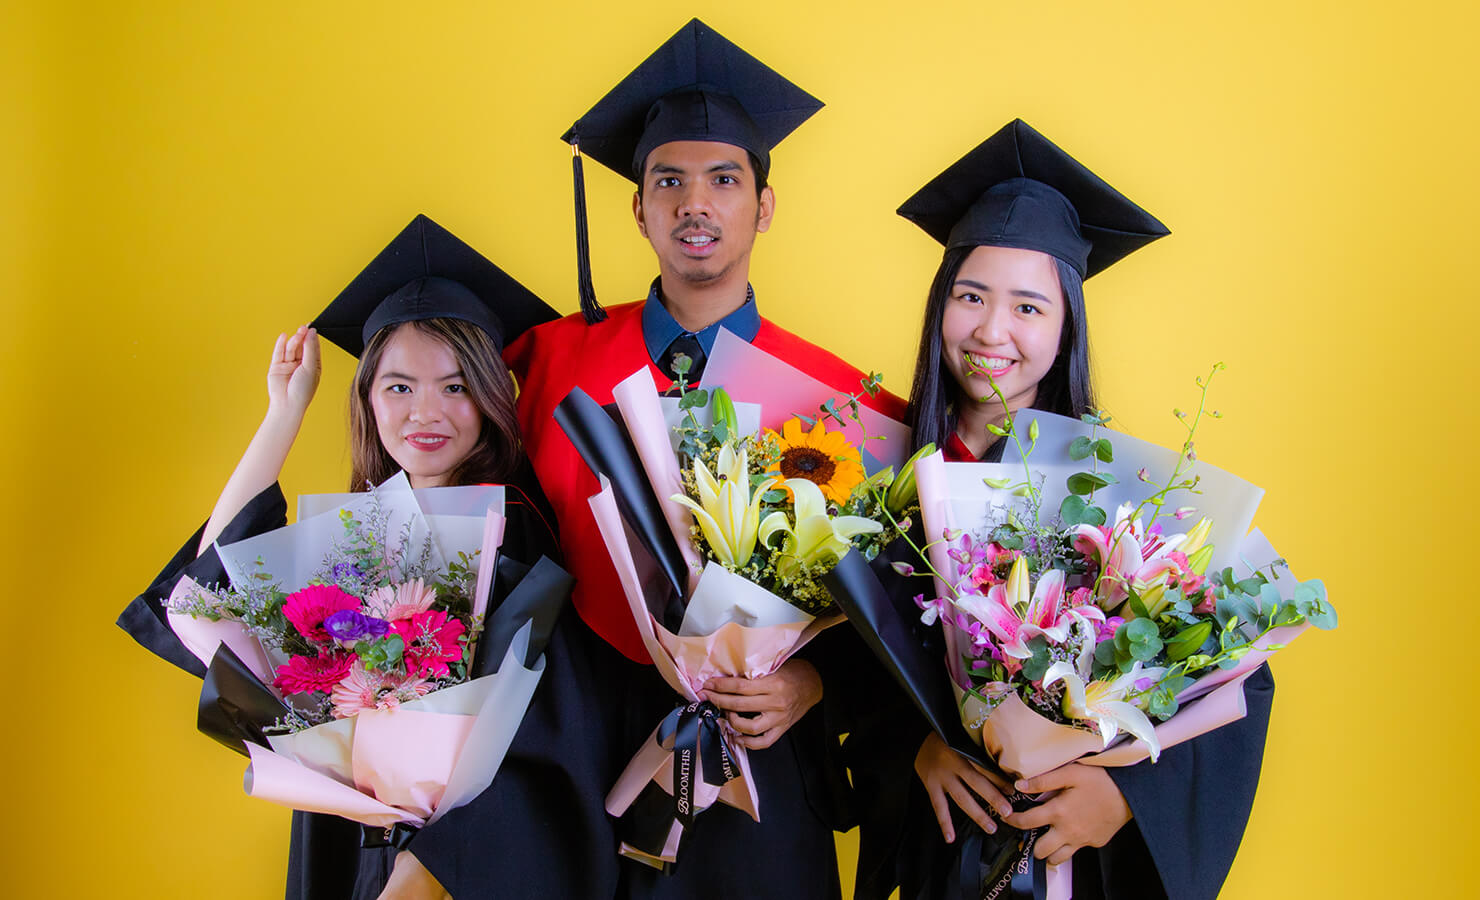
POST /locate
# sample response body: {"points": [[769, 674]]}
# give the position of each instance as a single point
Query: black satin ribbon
{"points": [[695, 730], [997, 866], [398, 836]]}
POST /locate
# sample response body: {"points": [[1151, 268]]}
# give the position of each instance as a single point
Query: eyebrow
{"points": [[1032, 295], [728, 165], [401, 376]]}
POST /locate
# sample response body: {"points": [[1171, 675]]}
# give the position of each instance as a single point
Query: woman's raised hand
{"points": [[293, 373], [950, 778]]}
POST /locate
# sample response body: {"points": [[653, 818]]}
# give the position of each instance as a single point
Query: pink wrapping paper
{"points": [[637, 399], [202, 636], [685, 663]]}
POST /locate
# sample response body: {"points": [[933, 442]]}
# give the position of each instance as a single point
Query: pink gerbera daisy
{"points": [[305, 674], [363, 689], [307, 609], [400, 601], [431, 640]]}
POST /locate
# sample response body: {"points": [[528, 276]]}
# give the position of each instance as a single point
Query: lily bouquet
{"points": [[344, 656], [1080, 620], [741, 508]]}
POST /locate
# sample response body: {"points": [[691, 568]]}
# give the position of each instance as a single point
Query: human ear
{"points": [[637, 213], [766, 210]]}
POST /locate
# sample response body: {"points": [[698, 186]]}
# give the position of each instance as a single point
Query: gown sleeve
{"points": [[1189, 810], [144, 617]]}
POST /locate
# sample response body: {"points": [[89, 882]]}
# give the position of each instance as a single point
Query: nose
{"points": [[426, 407], [695, 200], [992, 327]]}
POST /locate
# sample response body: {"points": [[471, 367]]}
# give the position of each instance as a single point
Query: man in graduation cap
{"points": [[693, 127]]}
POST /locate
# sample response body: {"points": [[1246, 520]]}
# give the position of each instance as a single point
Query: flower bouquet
{"points": [[1075, 634], [740, 522], [351, 659]]}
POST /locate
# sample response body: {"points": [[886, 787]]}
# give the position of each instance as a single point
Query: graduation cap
{"points": [[697, 86], [425, 272], [1018, 189]]}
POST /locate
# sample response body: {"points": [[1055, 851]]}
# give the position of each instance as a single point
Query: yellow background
{"points": [[183, 180]]}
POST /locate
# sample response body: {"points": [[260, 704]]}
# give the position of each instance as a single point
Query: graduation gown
{"points": [[802, 787], [1188, 809]]}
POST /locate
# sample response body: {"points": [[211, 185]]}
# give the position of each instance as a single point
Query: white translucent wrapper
{"points": [[466, 519], [752, 375], [410, 764]]}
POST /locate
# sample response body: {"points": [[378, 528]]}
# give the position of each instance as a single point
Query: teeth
{"points": [[990, 363], [431, 440], [697, 240]]}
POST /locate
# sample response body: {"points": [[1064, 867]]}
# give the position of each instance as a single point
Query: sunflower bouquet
{"points": [[781, 507], [720, 532]]}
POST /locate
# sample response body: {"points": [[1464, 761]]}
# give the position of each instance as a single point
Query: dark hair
{"points": [[497, 454], [755, 167], [1065, 390]]}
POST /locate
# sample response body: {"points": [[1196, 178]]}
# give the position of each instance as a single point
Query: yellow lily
{"points": [[728, 511], [817, 537]]}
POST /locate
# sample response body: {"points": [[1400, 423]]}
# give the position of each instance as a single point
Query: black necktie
{"points": [[688, 345]]}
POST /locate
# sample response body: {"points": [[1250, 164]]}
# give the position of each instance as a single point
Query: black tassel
{"points": [[589, 307]]}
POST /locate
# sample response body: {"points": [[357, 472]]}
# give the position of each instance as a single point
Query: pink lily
{"points": [[1013, 617]]}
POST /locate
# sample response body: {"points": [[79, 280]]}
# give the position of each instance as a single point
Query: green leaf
{"points": [[1081, 448], [1162, 703], [1188, 641], [1104, 450], [1105, 653], [681, 363], [775, 495], [1036, 665], [1006, 537], [1144, 639], [693, 399], [1087, 482]]}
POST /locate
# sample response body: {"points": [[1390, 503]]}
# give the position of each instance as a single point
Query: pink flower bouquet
{"points": [[365, 618]]}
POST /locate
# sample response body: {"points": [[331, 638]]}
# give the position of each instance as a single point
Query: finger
{"points": [[759, 741], [1050, 842], [942, 809], [311, 350], [996, 778], [1062, 855], [754, 724], [291, 351], [741, 702], [1048, 781], [1037, 817], [277, 349], [727, 685], [967, 803], [987, 791]]}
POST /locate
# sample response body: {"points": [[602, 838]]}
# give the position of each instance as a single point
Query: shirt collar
{"points": [[659, 328]]}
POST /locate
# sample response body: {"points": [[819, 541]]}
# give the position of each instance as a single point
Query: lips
{"points": [[428, 442], [697, 242]]}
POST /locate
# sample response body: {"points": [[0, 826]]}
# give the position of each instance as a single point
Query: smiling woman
{"points": [[431, 397]]}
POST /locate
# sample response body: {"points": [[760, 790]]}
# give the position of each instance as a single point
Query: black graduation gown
{"points": [[1188, 809]]}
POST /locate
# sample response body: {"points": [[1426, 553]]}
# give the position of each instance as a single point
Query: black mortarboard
{"points": [[1018, 189], [697, 86], [425, 272]]}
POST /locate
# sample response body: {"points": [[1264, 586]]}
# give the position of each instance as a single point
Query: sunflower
{"points": [[820, 456]]}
